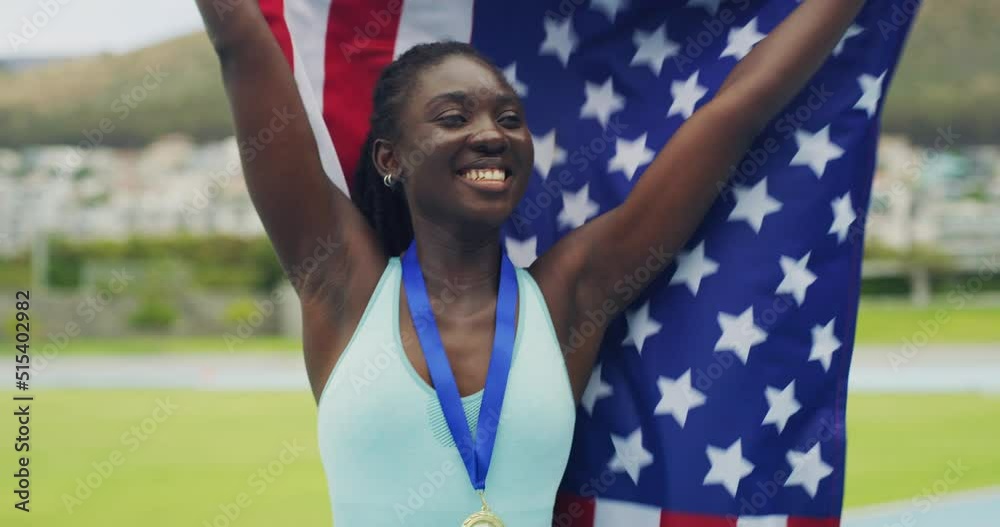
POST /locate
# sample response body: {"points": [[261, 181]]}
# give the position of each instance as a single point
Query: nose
{"points": [[489, 138]]}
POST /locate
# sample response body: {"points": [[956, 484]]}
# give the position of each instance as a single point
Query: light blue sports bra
{"points": [[387, 452]]}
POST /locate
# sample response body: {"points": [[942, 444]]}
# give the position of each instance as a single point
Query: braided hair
{"points": [[385, 207]]}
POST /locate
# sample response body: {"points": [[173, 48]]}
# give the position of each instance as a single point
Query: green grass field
{"points": [[878, 323], [201, 455], [892, 323]]}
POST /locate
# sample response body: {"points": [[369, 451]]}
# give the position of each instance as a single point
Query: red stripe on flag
{"points": [[360, 40], [813, 522], [681, 519], [573, 511], [274, 13]]}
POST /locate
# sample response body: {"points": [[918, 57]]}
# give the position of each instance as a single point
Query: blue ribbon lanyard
{"points": [[475, 454]]}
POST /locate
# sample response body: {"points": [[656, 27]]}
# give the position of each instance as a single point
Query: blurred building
{"points": [[946, 199], [171, 186]]}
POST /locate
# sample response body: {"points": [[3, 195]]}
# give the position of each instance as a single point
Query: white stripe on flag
{"points": [[614, 513], [762, 521], [306, 20], [431, 20]]}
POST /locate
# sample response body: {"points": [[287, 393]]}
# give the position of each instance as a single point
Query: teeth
{"points": [[488, 174]]}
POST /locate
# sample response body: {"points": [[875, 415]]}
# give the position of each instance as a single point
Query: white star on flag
{"points": [[712, 6], [693, 267], [609, 8], [815, 150], [630, 456], [797, 278], [596, 389], [686, 96], [560, 39], [753, 204], [510, 73], [742, 40], [843, 216], [781, 406], [728, 466], [824, 344], [522, 253], [677, 397], [654, 48], [851, 32], [547, 153], [602, 101], [577, 208], [640, 327], [739, 334], [808, 469], [630, 155], [871, 88]]}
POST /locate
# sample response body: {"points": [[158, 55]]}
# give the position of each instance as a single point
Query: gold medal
{"points": [[483, 518]]}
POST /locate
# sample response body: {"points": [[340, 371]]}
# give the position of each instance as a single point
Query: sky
{"points": [[87, 27]]}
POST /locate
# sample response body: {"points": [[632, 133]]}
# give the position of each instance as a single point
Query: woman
{"points": [[447, 381]]}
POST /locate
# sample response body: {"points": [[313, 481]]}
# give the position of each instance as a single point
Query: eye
{"points": [[453, 119], [511, 119]]}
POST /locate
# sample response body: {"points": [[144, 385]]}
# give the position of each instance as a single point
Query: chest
{"points": [[468, 344]]}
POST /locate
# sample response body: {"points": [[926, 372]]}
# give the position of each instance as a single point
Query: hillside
{"points": [[56, 104], [950, 74], [949, 77]]}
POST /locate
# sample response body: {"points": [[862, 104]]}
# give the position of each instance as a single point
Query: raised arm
{"points": [[304, 214], [672, 196], [324, 244]]}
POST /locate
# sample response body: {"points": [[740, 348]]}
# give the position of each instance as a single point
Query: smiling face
{"points": [[464, 148]]}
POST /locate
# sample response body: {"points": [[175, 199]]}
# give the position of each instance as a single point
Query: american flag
{"points": [[719, 397]]}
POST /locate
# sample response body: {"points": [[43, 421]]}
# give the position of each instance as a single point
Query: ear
{"points": [[384, 157]]}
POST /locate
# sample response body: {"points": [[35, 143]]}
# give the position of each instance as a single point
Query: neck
{"points": [[460, 264]]}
